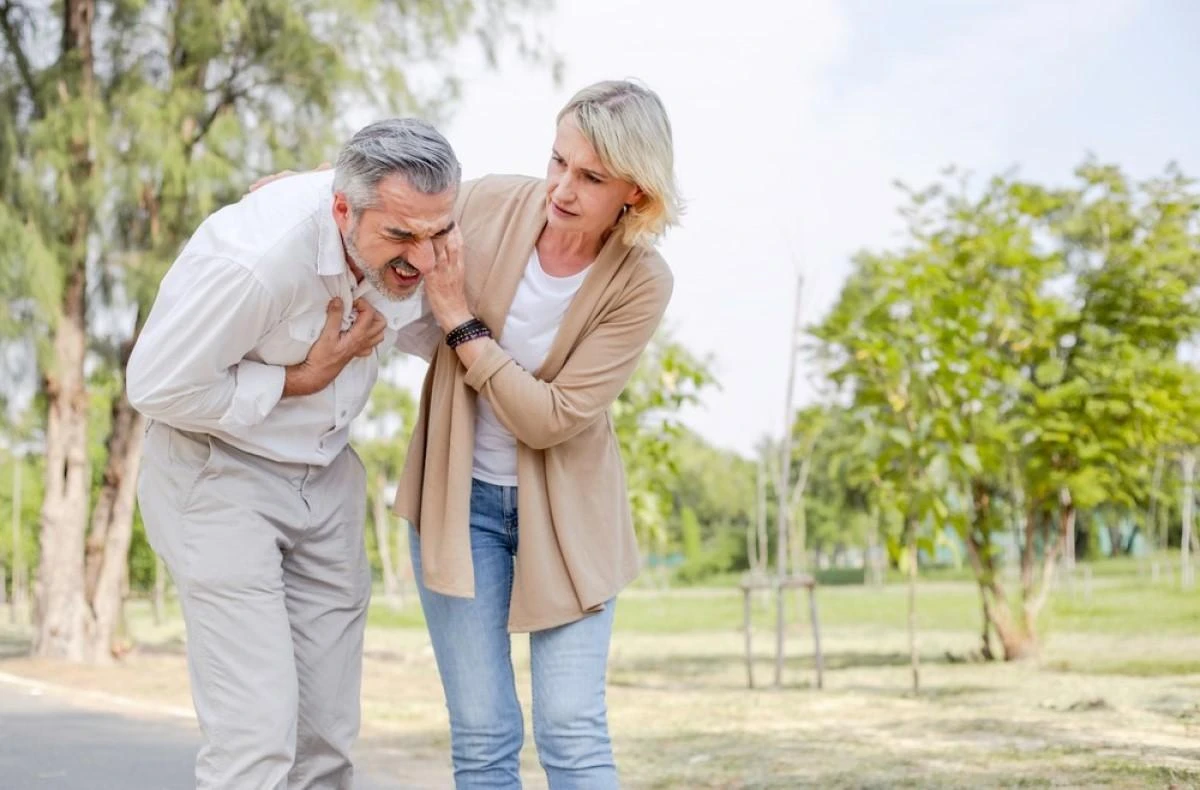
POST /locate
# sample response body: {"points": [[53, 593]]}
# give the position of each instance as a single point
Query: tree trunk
{"points": [[751, 547], [798, 539], [121, 449], [985, 636], [1186, 572], [1155, 487], [997, 613], [106, 563], [61, 613], [800, 534], [785, 451], [383, 538], [1116, 545], [1068, 521], [874, 558], [799, 529], [62, 616], [1037, 592], [113, 518], [913, 652], [978, 542], [784, 486], [1028, 546], [760, 556], [1016, 642], [766, 468], [19, 600]]}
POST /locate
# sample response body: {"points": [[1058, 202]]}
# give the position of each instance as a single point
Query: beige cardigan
{"points": [[577, 547]]}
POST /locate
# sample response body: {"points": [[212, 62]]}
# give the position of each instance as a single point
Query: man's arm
{"points": [[420, 338], [188, 368]]}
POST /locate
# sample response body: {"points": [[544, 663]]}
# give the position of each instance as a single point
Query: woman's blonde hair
{"points": [[627, 124]]}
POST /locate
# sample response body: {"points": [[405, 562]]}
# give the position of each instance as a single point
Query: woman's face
{"points": [[581, 195]]}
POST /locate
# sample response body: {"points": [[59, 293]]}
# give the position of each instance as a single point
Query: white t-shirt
{"points": [[537, 309]]}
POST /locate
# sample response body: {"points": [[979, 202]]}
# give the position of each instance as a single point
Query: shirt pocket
{"points": [[306, 327], [290, 341]]}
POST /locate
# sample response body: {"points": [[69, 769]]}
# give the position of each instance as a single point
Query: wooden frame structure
{"points": [[793, 582]]}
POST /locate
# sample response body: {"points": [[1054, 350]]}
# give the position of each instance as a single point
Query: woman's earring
{"points": [[624, 210]]}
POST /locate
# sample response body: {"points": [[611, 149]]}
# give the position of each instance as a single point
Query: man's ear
{"points": [[341, 211]]}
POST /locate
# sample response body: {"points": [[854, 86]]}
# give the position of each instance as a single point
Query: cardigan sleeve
{"points": [[542, 414]]}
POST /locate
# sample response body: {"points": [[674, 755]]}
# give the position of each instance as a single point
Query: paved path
{"points": [[48, 742]]}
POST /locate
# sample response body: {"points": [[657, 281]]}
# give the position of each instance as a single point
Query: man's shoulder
{"points": [[275, 222]]}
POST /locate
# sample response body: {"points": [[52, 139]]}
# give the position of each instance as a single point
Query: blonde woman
{"points": [[514, 484]]}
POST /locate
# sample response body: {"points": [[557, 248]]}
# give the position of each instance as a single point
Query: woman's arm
{"points": [[540, 413]]}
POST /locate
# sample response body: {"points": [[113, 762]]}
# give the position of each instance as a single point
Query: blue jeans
{"points": [[474, 657]]}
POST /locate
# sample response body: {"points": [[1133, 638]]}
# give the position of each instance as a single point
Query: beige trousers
{"points": [[273, 579]]}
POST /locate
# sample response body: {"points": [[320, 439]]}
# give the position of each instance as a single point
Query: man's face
{"points": [[392, 243]]}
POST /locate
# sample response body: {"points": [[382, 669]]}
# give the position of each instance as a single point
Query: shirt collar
{"points": [[331, 255], [398, 312]]}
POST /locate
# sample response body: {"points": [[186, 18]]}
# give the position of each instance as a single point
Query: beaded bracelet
{"points": [[467, 331]]}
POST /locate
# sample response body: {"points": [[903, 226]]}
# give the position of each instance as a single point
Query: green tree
{"points": [[839, 508], [717, 488], [20, 485], [646, 421], [878, 352], [1017, 364]]}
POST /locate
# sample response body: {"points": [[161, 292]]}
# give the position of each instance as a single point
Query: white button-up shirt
{"points": [[247, 297]]}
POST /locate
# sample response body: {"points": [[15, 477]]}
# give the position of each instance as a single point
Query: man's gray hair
{"points": [[408, 147]]}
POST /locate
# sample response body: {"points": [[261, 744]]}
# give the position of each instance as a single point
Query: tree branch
{"points": [[228, 99], [1027, 548], [1034, 607], [13, 39]]}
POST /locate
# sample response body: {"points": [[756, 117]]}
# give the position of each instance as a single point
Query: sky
{"points": [[792, 122]]}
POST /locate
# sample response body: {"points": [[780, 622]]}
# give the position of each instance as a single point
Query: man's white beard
{"points": [[374, 277]]}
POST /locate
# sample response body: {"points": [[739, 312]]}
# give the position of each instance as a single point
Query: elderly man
{"points": [[261, 347]]}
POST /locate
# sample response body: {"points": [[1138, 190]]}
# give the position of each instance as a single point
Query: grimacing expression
{"points": [[581, 195], [392, 242]]}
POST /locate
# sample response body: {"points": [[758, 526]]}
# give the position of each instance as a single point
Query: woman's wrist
{"points": [[454, 318], [467, 329]]}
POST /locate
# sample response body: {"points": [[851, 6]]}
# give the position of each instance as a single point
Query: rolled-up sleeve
{"points": [[419, 338], [189, 367]]}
